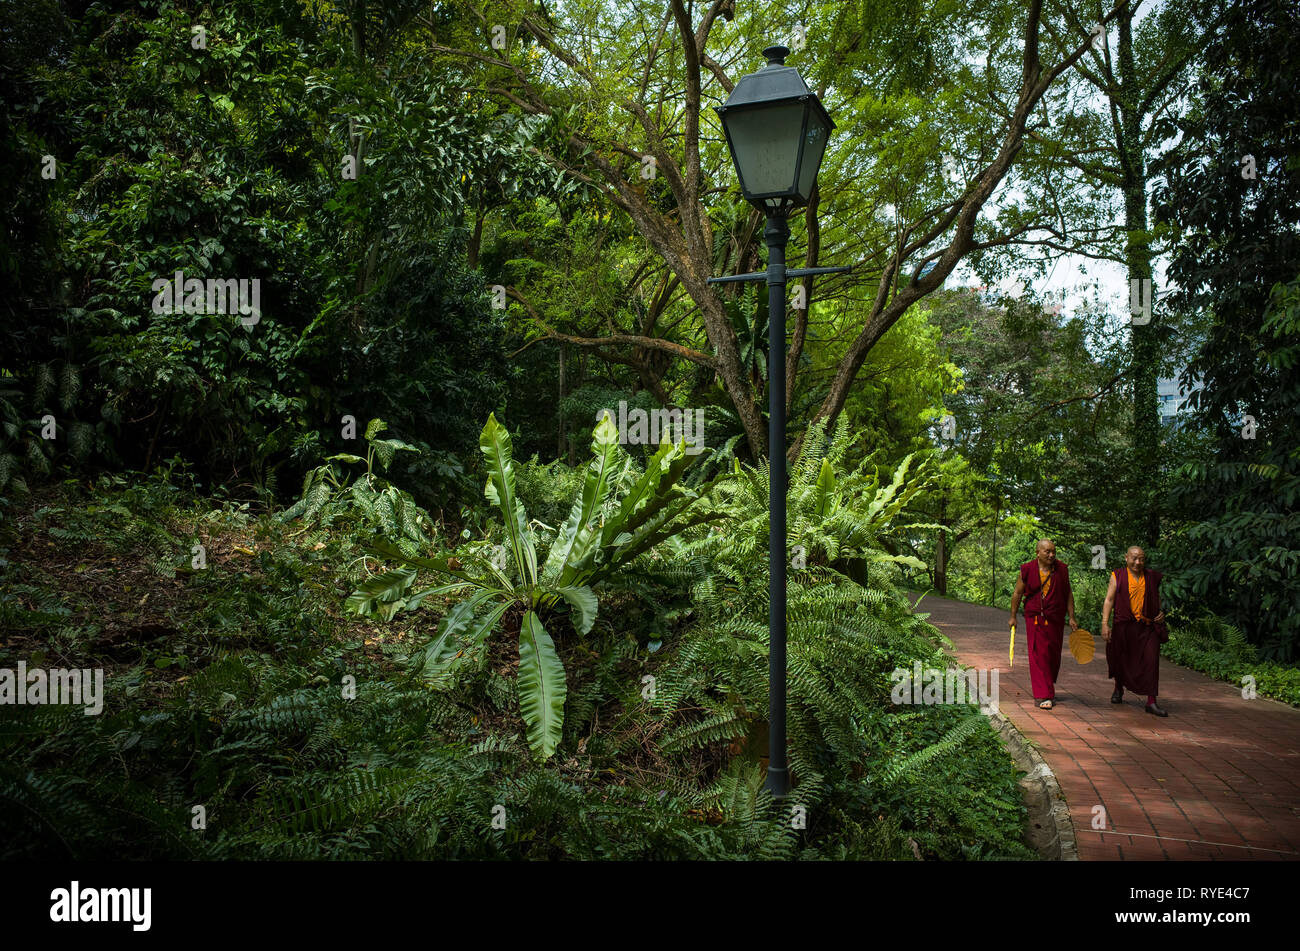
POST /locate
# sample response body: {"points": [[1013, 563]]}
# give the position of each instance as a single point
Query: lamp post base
{"points": [[778, 782]]}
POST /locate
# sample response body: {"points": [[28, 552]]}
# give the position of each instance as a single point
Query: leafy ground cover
{"points": [[248, 714], [1214, 647]]}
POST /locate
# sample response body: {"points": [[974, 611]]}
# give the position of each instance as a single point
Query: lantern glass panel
{"points": [[813, 149], [765, 145]]}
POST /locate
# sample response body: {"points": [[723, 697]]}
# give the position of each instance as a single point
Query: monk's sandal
{"points": [[1152, 708], [1117, 697]]}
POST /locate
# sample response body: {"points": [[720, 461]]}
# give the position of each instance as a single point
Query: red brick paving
{"points": [[1218, 779]]}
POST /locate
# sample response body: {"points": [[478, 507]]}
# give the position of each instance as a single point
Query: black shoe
{"points": [[1117, 696], [1152, 708]]}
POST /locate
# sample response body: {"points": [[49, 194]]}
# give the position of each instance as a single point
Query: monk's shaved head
{"points": [[1042, 542], [1133, 548]]}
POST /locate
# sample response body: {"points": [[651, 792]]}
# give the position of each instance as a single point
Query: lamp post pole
{"points": [[777, 234], [776, 131]]}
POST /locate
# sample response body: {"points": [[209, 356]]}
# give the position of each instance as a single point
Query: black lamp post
{"points": [[776, 131]]}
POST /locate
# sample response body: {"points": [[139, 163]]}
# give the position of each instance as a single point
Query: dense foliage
{"points": [[270, 265], [225, 163], [1238, 264], [299, 730]]}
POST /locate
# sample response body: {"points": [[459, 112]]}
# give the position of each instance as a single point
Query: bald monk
{"points": [[1046, 581], [1133, 646]]}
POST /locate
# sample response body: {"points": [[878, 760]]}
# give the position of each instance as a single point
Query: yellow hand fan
{"points": [[1082, 646]]}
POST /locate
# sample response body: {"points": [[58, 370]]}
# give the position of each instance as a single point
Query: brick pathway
{"points": [[1219, 778]]}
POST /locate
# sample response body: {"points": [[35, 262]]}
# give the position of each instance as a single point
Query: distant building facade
{"points": [[1173, 402]]}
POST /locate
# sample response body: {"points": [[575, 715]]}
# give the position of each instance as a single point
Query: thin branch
{"points": [[649, 343], [1078, 399]]}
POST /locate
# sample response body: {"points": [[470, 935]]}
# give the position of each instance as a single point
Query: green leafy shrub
{"points": [[259, 725], [830, 517], [1215, 647], [378, 505], [852, 752], [591, 544]]}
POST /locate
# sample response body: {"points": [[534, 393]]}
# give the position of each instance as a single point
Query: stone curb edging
{"points": [[1054, 839]]}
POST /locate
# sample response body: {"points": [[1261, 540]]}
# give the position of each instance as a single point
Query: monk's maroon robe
{"points": [[1045, 625], [1133, 651]]}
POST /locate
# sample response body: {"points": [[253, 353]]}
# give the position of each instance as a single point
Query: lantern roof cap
{"points": [[775, 82]]}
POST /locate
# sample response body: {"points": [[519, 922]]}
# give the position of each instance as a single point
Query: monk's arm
{"points": [[1016, 595], [1073, 620], [1105, 609]]}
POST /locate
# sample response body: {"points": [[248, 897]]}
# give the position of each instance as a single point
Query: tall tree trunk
{"points": [[993, 588], [1145, 352], [941, 551], [366, 276], [559, 444], [476, 237]]}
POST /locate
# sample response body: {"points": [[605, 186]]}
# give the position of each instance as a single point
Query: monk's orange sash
{"points": [[1044, 586], [1137, 592]]}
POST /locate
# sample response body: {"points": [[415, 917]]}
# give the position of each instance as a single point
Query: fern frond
{"points": [[904, 768]]}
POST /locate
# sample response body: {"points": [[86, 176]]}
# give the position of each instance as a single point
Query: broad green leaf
{"points": [[657, 488], [382, 547], [364, 498], [542, 687], [417, 598], [909, 560], [585, 605], [575, 537], [645, 489], [385, 449], [825, 486], [316, 498], [459, 633], [389, 586], [497, 453], [387, 517]]}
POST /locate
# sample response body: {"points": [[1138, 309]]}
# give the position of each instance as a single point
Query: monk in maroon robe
{"points": [[1133, 646], [1046, 581]]}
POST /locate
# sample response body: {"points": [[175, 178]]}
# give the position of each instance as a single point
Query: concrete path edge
{"points": [[1054, 838]]}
